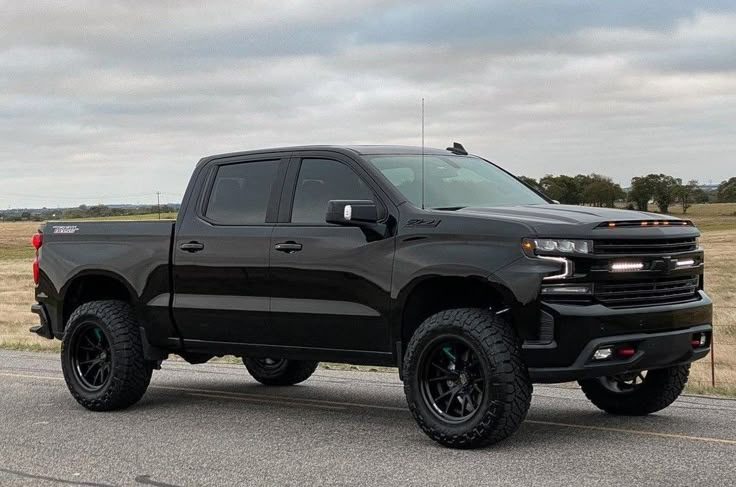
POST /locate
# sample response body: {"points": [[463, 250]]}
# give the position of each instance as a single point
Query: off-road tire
{"points": [[286, 373], [507, 387], [130, 372], [660, 389]]}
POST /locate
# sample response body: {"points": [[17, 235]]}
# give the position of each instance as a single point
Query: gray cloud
{"points": [[99, 100]]}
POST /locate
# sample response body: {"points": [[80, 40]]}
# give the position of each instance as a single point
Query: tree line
{"points": [[83, 211], [661, 189], [591, 189]]}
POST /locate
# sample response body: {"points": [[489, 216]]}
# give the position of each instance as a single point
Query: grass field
{"points": [[714, 216], [716, 221]]}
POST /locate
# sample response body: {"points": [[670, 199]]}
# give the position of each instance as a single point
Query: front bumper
{"points": [[660, 335]]}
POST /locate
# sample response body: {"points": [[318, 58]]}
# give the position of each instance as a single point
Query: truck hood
{"points": [[570, 220]]}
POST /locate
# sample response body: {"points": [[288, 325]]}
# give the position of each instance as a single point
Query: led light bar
{"points": [[645, 223], [566, 290], [567, 267], [685, 262], [626, 266]]}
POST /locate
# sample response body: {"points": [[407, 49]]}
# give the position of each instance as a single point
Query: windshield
{"points": [[453, 182]]}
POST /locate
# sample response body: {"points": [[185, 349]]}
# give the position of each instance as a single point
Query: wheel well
{"points": [[436, 294], [92, 288]]}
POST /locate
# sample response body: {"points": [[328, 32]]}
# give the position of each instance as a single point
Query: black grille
{"points": [[649, 246], [643, 292]]}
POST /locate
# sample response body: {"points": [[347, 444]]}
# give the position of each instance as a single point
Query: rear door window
{"points": [[241, 193]]}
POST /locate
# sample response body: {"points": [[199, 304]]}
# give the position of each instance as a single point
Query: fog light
{"points": [[699, 340], [603, 353]]}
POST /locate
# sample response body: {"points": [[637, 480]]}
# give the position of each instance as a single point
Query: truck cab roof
{"points": [[346, 149]]}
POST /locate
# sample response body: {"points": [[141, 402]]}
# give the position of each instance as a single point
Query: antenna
{"points": [[422, 153]]}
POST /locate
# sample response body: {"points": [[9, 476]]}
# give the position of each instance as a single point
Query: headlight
{"points": [[555, 246]]}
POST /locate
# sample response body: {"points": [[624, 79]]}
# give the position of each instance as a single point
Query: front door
{"points": [[221, 252], [330, 284]]}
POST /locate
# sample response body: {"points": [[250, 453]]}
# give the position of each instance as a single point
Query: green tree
{"points": [[727, 191], [642, 190], [685, 193], [700, 196], [564, 189], [664, 191], [98, 211], [599, 190], [531, 182], [659, 187]]}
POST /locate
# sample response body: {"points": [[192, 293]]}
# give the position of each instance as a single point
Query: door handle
{"points": [[192, 247], [288, 247]]}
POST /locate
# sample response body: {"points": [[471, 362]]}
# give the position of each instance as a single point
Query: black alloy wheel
{"points": [[624, 383], [271, 363], [465, 380], [637, 393], [452, 379], [279, 371], [102, 356], [91, 357]]}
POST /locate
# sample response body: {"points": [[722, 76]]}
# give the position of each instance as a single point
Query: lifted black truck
{"points": [[436, 261]]}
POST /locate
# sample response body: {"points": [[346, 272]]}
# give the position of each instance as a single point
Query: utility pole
{"points": [[158, 203]]}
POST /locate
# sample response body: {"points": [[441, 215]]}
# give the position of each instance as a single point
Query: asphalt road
{"points": [[214, 425]]}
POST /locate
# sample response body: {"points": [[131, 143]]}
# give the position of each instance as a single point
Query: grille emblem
{"points": [[667, 264]]}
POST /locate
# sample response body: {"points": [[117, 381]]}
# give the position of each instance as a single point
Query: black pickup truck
{"points": [[435, 261]]}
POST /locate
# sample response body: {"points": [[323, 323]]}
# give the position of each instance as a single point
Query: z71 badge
{"points": [[65, 229]]}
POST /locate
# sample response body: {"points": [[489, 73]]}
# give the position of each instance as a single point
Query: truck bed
{"points": [[138, 250]]}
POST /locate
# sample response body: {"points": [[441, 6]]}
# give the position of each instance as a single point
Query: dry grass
{"points": [[16, 294], [15, 240], [709, 217], [706, 210], [720, 284], [16, 297]]}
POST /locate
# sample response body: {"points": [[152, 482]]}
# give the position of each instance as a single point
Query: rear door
{"points": [[221, 251], [331, 284]]}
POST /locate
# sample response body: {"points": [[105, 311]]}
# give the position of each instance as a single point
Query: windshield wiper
{"points": [[449, 208]]}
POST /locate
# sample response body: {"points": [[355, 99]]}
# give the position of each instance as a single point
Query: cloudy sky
{"points": [[113, 101]]}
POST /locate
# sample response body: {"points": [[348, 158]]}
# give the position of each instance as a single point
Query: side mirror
{"points": [[555, 202], [353, 213]]}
